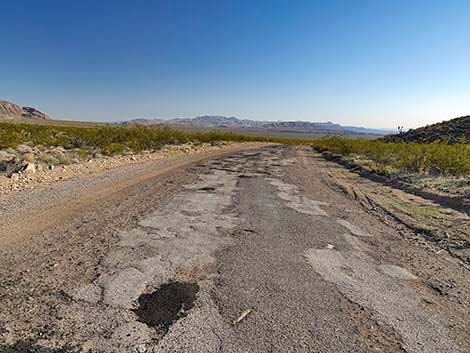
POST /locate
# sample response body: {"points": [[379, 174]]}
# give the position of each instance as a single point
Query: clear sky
{"points": [[370, 63]]}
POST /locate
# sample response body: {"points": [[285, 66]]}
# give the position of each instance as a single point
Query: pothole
{"points": [[169, 303]]}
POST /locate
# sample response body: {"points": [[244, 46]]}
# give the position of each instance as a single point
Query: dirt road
{"points": [[250, 251]]}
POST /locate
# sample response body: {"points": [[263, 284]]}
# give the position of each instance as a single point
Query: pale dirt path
{"points": [[168, 263]]}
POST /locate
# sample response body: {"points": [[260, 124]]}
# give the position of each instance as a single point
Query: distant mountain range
{"points": [[13, 112], [222, 122]]}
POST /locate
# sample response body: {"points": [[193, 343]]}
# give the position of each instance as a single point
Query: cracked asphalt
{"points": [[252, 251]]}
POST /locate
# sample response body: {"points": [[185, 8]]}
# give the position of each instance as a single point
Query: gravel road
{"points": [[247, 250]]}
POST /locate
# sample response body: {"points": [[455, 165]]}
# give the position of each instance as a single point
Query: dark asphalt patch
{"points": [[207, 188], [169, 303], [28, 346]]}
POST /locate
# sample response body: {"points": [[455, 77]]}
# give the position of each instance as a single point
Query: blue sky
{"points": [[370, 63]]}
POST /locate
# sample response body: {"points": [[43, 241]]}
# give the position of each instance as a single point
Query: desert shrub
{"points": [[9, 139], [111, 139], [438, 158]]}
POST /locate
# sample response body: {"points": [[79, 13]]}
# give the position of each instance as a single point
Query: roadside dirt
{"points": [[446, 191], [448, 229], [443, 275]]}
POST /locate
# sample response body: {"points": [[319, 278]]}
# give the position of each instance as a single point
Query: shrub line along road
{"points": [[247, 250]]}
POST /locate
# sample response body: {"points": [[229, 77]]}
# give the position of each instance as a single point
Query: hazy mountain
{"points": [[307, 125], [12, 111], [215, 121], [222, 121]]}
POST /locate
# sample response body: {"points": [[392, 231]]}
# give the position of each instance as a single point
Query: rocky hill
{"points": [[451, 132], [12, 111]]}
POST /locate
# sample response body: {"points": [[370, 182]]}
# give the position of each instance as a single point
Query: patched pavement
{"points": [[258, 254]]}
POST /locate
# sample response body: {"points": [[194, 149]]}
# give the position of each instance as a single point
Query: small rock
{"points": [[28, 157], [428, 301], [30, 168], [88, 347], [141, 348], [24, 149], [7, 156]]}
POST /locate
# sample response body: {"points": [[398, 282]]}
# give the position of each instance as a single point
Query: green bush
{"points": [[109, 140], [434, 158]]}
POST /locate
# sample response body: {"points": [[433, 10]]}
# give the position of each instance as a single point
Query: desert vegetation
{"points": [[107, 140], [391, 157], [25, 148], [382, 156], [455, 131]]}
